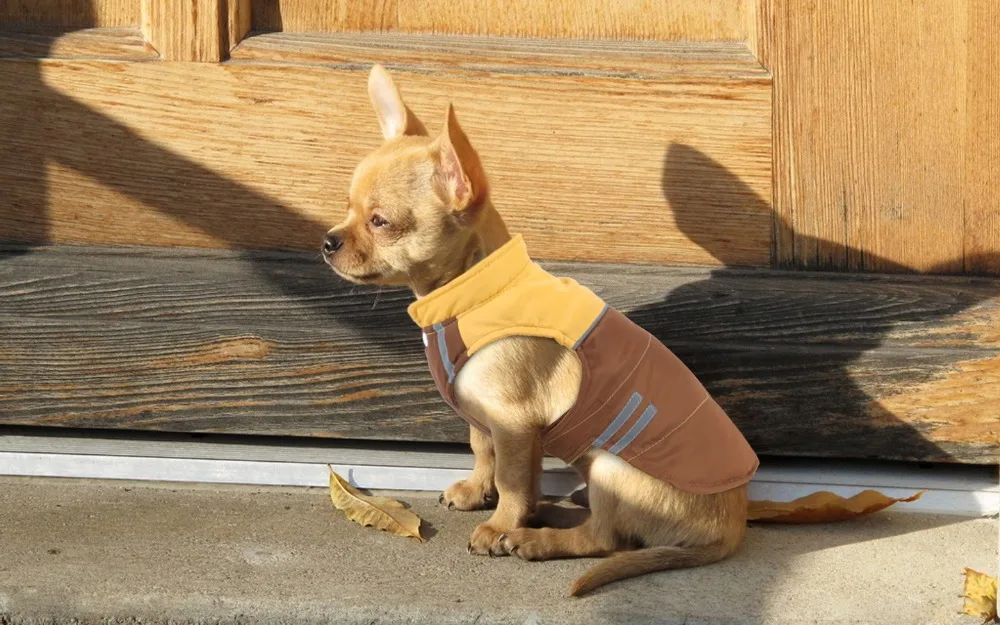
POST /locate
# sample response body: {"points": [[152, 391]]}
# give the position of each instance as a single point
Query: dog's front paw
{"points": [[525, 543], [485, 541], [468, 495]]}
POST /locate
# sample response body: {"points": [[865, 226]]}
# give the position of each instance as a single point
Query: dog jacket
{"points": [[636, 400]]}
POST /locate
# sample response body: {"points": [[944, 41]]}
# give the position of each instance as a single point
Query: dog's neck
{"points": [[490, 235]]}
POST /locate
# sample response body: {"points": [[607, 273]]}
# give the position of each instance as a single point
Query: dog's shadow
{"points": [[776, 570], [783, 356], [747, 586]]}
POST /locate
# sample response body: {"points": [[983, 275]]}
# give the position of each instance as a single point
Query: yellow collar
{"points": [[475, 287]]}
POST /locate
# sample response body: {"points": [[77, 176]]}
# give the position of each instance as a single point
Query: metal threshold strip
{"points": [[951, 489]]}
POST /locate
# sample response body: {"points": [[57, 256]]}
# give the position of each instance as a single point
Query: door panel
{"points": [[70, 13], [982, 141], [885, 151], [272, 138], [673, 20]]}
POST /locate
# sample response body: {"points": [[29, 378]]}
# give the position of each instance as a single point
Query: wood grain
{"points": [[70, 13], [462, 17], [671, 20], [760, 30], [258, 155], [239, 21], [982, 206], [124, 43], [880, 152], [325, 16], [185, 31], [665, 20], [807, 364]]}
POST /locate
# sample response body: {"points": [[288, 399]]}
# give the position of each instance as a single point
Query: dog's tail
{"points": [[642, 561]]}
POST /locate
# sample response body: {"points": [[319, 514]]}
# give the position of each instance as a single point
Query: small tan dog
{"points": [[420, 215]]}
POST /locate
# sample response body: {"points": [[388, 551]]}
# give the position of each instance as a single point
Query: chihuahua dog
{"points": [[420, 215]]}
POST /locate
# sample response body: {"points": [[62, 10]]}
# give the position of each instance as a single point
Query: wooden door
{"points": [[170, 167]]}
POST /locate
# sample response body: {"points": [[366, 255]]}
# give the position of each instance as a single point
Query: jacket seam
{"points": [[612, 394], [675, 428]]}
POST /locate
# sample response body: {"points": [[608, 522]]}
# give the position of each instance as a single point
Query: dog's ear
{"points": [[460, 177], [395, 118]]}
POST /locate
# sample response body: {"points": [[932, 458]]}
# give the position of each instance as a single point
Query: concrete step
{"points": [[91, 551]]}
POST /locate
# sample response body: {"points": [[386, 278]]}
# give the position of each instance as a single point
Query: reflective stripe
{"points": [[635, 430], [593, 325], [619, 421], [443, 349]]}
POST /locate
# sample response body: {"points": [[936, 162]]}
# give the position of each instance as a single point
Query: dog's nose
{"points": [[331, 244]]}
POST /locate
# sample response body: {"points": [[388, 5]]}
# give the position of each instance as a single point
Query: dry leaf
{"points": [[980, 595], [380, 512], [822, 507]]}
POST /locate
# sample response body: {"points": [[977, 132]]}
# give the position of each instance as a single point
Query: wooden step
{"points": [[579, 138], [820, 365]]}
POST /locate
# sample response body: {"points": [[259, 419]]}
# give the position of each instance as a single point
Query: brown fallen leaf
{"points": [[380, 512], [980, 595], [822, 507]]}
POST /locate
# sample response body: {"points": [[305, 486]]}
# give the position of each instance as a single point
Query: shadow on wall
{"points": [[41, 127], [796, 348]]}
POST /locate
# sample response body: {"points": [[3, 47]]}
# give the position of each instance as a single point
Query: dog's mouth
{"points": [[363, 278], [360, 278]]}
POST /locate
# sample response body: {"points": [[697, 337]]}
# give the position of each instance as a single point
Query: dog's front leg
{"points": [[518, 480], [477, 491]]}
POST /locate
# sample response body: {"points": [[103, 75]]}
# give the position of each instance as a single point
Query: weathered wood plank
{"points": [[902, 367], [259, 155]]}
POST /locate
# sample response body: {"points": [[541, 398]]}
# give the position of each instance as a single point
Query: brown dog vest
{"points": [[637, 400]]}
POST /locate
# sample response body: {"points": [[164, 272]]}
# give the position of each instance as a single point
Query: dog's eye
{"points": [[378, 221]]}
